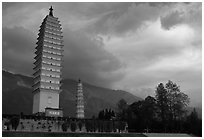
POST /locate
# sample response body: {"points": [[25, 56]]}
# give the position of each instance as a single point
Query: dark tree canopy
{"points": [[193, 124], [106, 114], [15, 122], [122, 107], [162, 99]]}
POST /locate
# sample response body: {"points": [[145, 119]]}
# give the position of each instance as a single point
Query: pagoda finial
{"points": [[79, 80], [51, 13]]}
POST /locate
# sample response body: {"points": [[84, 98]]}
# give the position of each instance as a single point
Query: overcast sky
{"points": [[128, 46]]}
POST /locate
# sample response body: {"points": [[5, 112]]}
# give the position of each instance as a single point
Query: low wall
{"points": [[79, 125]]}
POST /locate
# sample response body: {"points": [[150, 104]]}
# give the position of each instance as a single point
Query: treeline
{"points": [[94, 125], [106, 114], [165, 112]]}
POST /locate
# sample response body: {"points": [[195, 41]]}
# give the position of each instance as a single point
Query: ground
{"points": [[62, 134]]}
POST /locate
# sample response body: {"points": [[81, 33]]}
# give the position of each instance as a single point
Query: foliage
{"points": [[171, 103], [193, 124], [15, 122], [106, 114], [65, 126], [141, 114], [122, 110], [104, 125], [161, 99], [177, 101], [7, 124], [80, 125], [73, 126], [88, 126], [166, 112], [149, 111]]}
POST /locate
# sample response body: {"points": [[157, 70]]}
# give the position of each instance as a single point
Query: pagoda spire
{"points": [[51, 13]]}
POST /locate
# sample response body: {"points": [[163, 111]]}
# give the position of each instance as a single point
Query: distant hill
{"points": [[17, 96]]}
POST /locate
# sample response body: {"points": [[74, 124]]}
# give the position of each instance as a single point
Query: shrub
{"points": [[73, 127], [7, 125], [14, 122], [64, 127], [80, 125]]}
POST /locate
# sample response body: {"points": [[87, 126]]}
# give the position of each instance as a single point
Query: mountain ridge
{"points": [[17, 96]]}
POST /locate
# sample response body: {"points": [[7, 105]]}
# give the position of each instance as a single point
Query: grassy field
{"points": [[62, 134]]}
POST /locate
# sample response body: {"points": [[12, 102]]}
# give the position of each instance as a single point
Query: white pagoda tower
{"points": [[80, 101], [48, 66]]}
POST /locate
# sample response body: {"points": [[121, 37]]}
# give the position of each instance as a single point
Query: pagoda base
{"points": [[53, 112]]}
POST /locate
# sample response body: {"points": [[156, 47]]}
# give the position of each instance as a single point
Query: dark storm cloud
{"points": [[171, 20], [85, 58], [129, 19], [187, 13], [17, 39], [18, 49]]}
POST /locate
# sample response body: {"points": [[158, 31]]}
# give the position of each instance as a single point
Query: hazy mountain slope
{"points": [[17, 96]]}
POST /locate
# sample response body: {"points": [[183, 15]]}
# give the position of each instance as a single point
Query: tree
{"points": [[171, 103], [106, 114], [161, 99], [135, 117], [80, 125], [149, 111], [141, 115], [112, 114], [194, 124], [64, 127], [122, 109], [21, 115], [73, 126], [14, 122], [177, 101], [88, 125], [7, 124], [109, 114], [101, 115]]}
